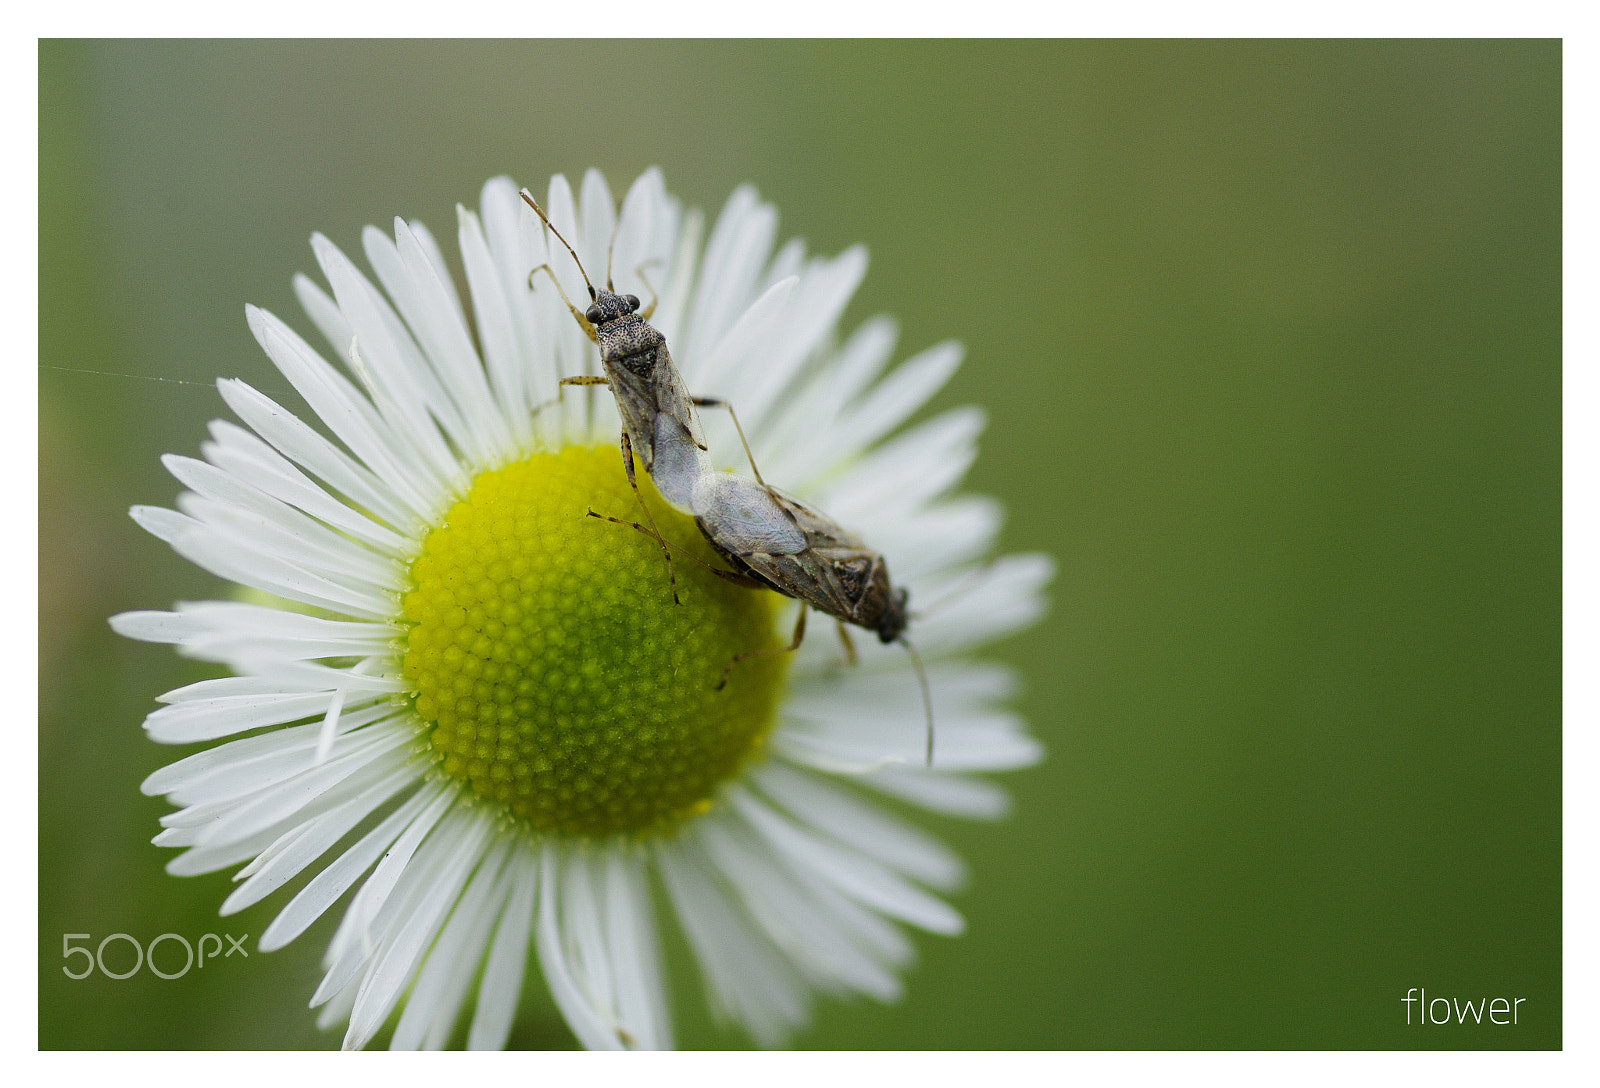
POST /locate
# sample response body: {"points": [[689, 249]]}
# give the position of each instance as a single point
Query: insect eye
{"points": [[633, 302], [593, 313]]}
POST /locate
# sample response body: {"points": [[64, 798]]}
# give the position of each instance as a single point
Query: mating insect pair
{"points": [[771, 541]]}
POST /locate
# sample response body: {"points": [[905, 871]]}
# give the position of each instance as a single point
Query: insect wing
{"points": [[636, 403], [821, 531], [743, 518], [845, 577], [679, 463], [808, 576], [672, 397]]}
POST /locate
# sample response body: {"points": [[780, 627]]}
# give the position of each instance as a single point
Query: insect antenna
{"points": [[927, 695], [583, 322], [611, 250], [534, 204], [969, 581]]}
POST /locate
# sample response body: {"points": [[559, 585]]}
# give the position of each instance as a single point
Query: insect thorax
{"points": [[628, 336], [642, 363], [874, 603]]}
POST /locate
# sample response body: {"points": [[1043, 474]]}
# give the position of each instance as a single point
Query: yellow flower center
{"points": [[560, 680]]}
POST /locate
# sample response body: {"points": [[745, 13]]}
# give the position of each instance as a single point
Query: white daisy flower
{"points": [[479, 711]]}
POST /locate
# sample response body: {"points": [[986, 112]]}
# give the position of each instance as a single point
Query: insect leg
{"points": [[646, 311], [715, 402], [727, 575], [849, 645], [586, 380], [927, 696], [587, 325], [799, 637], [627, 463]]}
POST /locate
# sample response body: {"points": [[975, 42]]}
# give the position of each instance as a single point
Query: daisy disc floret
{"points": [[560, 680], [477, 716]]}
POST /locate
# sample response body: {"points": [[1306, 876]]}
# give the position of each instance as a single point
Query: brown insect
{"points": [[655, 407], [773, 541]]}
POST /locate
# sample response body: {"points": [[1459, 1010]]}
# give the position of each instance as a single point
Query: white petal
{"points": [[989, 744], [820, 299], [795, 441], [672, 310], [339, 1005], [953, 795], [1009, 598], [223, 687], [870, 830], [426, 805], [497, 331], [599, 226], [408, 875], [745, 342], [734, 257], [214, 718], [862, 879], [747, 979], [573, 351], [305, 447], [251, 460], [893, 400], [646, 240], [443, 334], [436, 262], [589, 959], [277, 801], [403, 388], [218, 853], [227, 506], [441, 987], [630, 936], [359, 927], [232, 632], [588, 1022], [227, 769], [324, 313], [508, 958], [152, 626], [459, 850], [287, 858], [875, 716], [345, 411], [901, 475], [516, 247], [228, 552], [790, 260], [164, 525], [935, 539], [793, 920]]}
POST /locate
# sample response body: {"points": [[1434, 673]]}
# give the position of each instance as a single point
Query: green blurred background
{"points": [[1269, 339]]}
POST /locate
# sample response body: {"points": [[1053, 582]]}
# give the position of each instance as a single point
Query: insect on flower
{"points": [[505, 799], [776, 542], [655, 407], [771, 540]]}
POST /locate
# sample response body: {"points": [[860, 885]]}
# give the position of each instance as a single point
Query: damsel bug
{"points": [[771, 540], [657, 413], [776, 542]]}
